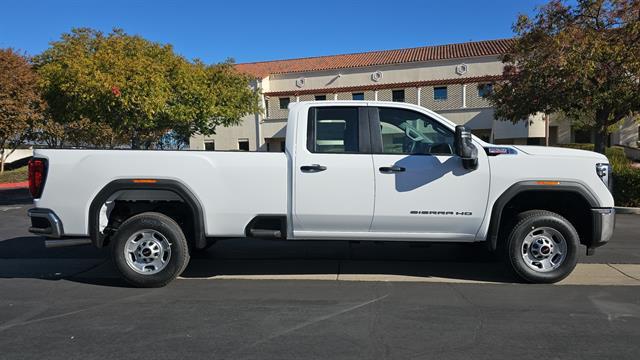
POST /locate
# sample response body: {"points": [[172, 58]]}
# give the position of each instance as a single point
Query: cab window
{"points": [[333, 130], [409, 132]]}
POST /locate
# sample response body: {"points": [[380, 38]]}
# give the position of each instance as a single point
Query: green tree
{"points": [[20, 101], [582, 60], [140, 89]]}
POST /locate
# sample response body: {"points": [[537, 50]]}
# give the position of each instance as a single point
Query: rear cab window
{"points": [[336, 130]]}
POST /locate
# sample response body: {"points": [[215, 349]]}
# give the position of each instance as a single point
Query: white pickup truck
{"points": [[351, 170]]}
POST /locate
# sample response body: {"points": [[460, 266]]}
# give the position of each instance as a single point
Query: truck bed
{"points": [[232, 187]]}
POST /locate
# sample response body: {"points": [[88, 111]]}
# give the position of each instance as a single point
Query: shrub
{"points": [[626, 187], [626, 179]]}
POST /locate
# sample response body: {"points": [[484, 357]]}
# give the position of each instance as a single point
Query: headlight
{"points": [[604, 173]]}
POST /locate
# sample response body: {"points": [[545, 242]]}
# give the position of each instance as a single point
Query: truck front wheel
{"points": [[150, 250], [542, 247]]}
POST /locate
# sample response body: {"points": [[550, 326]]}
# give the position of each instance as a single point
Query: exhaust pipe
{"points": [[66, 242]]}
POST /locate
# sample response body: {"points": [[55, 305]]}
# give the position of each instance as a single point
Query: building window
{"points": [[284, 103], [321, 97], [243, 144], [397, 95], [485, 90], [440, 93], [209, 145], [266, 108], [357, 96]]}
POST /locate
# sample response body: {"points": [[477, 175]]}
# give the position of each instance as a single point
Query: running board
{"points": [[65, 242]]}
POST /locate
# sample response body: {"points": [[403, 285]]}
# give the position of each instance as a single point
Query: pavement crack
{"points": [[316, 320], [623, 273], [69, 313]]}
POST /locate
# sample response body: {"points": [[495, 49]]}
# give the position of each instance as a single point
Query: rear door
{"points": [[333, 176]]}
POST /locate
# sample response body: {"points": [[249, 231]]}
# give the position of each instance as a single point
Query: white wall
{"points": [[18, 154]]}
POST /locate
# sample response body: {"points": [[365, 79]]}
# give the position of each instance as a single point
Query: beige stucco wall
{"points": [[410, 95], [226, 138], [627, 133], [368, 95], [472, 118], [419, 71], [472, 99], [453, 101]]}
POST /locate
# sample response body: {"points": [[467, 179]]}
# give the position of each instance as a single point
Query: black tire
{"points": [[525, 223], [167, 227]]}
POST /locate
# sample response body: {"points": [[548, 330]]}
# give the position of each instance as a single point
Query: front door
{"points": [[333, 174], [422, 189]]}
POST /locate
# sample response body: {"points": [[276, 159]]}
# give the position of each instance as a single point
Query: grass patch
{"points": [[16, 175]]}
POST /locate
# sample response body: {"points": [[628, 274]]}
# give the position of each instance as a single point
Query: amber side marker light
{"points": [[548, 182], [145, 181]]}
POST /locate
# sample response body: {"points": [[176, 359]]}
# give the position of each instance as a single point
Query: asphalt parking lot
{"points": [[245, 299]]}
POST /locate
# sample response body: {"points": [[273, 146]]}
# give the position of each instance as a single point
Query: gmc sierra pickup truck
{"points": [[351, 170]]}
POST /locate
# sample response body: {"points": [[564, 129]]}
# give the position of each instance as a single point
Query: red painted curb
{"points": [[16, 185]]}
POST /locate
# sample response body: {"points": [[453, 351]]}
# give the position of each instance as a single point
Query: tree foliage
{"points": [[130, 88], [582, 60], [20, 102]]}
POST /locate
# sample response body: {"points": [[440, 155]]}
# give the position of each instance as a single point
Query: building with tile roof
{"points": [[450, 79]]}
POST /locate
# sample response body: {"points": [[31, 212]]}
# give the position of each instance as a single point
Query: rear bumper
{"points": [[45, 222], [604, 222]]}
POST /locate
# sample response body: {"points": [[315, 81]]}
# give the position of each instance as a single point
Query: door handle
{"points": [[392, 169], [312, 168]]}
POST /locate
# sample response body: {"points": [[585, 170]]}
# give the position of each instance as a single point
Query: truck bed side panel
{"points": [[232, 187]]}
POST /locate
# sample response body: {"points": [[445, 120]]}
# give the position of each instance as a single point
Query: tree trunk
{"points": [[602, 122], [600, 141], [135, 140], [4, 155], [2, 160]]}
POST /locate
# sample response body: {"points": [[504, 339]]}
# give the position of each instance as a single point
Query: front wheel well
{"points": [[569, 204]]}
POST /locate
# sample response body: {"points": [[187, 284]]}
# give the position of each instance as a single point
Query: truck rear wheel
{"points": [[542, 247], [150, 250]]}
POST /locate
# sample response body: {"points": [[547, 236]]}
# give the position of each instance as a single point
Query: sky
{"points": [[249, 31]]}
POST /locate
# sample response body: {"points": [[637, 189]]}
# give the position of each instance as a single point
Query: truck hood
{"points": [[561, 152]]}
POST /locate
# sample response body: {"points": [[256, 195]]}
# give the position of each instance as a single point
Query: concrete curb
{"points": [[627, 210]]}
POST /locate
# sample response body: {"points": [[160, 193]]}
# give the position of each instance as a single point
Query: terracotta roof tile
{"points": [[373, 58]]}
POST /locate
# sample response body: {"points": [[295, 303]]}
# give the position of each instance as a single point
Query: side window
{"points": [[408, 132], [333, 130]]}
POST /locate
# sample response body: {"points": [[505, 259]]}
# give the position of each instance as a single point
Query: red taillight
{"points": [[37, 175]]}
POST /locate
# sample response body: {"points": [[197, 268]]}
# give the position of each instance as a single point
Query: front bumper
{"points": [[604, 222], [45, 222]]}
